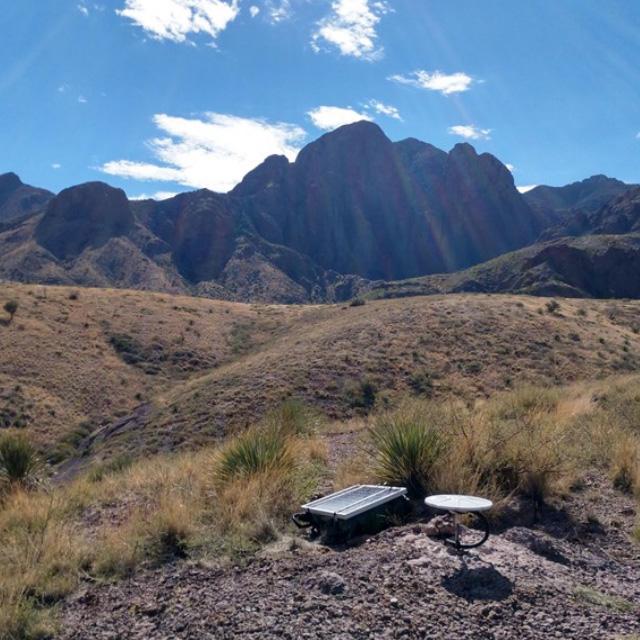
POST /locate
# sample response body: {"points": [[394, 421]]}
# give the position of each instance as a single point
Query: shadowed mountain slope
{"points": [[353, 206], [18, 200], [602, 262], [587, 195]]}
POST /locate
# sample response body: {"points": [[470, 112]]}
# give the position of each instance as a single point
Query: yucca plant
{"points": [[19, 463], [259, 450], [407, 450]]}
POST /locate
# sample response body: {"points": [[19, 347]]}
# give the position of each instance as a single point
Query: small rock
{"points": [[331, 583], [440, 526]]}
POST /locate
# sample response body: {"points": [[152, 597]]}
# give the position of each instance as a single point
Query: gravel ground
{"points": [[576, 574]]}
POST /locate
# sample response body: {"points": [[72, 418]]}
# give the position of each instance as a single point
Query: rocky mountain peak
{"points": [[87, 215], [9, 182], [264, 176]]}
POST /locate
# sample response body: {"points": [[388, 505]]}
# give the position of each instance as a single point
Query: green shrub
{"points": [[259, 450], [19, 462], [11, 307], [552, 306], [361, 395], [407, 449], [422, 383]]}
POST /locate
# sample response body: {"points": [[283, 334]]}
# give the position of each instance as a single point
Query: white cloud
{"points": [[175, 19], [352, 28], [510, 167], [56, 165], [470, 132], [526, 187], [82, 100], [63, 88], [638, 135], [279, 11], [254, 11], [436, 81], [328, 118], [83, 9], [384, 109], [215, 151], [158, 195]]}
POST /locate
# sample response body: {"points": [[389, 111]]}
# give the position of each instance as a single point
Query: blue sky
{"points": [[161, 96]]}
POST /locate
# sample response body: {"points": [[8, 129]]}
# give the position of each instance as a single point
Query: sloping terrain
{"points": [[195, 369], [18, 200], [601, 262], [87, 355], [354, 206], [586, 196], [571, 575], [593, 266]]}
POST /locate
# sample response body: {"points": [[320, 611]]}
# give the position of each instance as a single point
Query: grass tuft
{"points": [[408, 447], [19, 462]]}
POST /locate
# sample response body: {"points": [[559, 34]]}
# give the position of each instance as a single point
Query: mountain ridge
{"points": [[352, 209]]}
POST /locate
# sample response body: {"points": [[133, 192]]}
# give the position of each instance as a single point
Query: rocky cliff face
{"points": [[357, 203], [353, 207], [578, 198], [86, 216], [619, 215], [18, 200]]}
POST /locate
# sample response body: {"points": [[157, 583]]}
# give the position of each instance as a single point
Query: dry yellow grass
{"points": [[533, 441], [207, 367], [448, 347], [156, 510]]}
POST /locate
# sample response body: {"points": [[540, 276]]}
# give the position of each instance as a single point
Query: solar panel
{"points": [[354, 500]]}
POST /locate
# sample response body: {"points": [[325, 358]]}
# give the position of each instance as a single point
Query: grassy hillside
{"points": [[554, 448], [89, 356], [75, 361]]}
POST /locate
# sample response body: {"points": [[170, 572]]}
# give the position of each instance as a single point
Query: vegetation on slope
{"points": [[228, 501]]}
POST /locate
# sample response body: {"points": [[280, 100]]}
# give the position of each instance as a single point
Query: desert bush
{"points": [[408, 444], [552, 306], [11, 307], [41, 556], [19, 463], [361, 395], [258, 450], [357, 302], [117, 464], [625, 464], [293, 418], [520, 443]]}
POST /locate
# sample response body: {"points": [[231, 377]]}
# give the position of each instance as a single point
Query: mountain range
{"points": [[354, 212]]}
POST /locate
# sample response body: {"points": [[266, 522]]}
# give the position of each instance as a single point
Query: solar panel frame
{"points": [[342, 507]]}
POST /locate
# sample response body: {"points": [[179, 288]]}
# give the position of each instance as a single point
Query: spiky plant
{"points": [[259, 450], [407, 450], [19, 463]]}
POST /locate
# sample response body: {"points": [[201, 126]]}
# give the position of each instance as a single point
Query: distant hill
{"points": [[353, 207], [586, 196], [144, 371], [619, 215], [18, 200], [602, 262]]}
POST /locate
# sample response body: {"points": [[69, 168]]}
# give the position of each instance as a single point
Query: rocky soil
{"points": [[574, 574]]}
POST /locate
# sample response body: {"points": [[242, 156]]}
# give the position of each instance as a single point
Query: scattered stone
{"points": [[439, 527], [331, 583]]}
